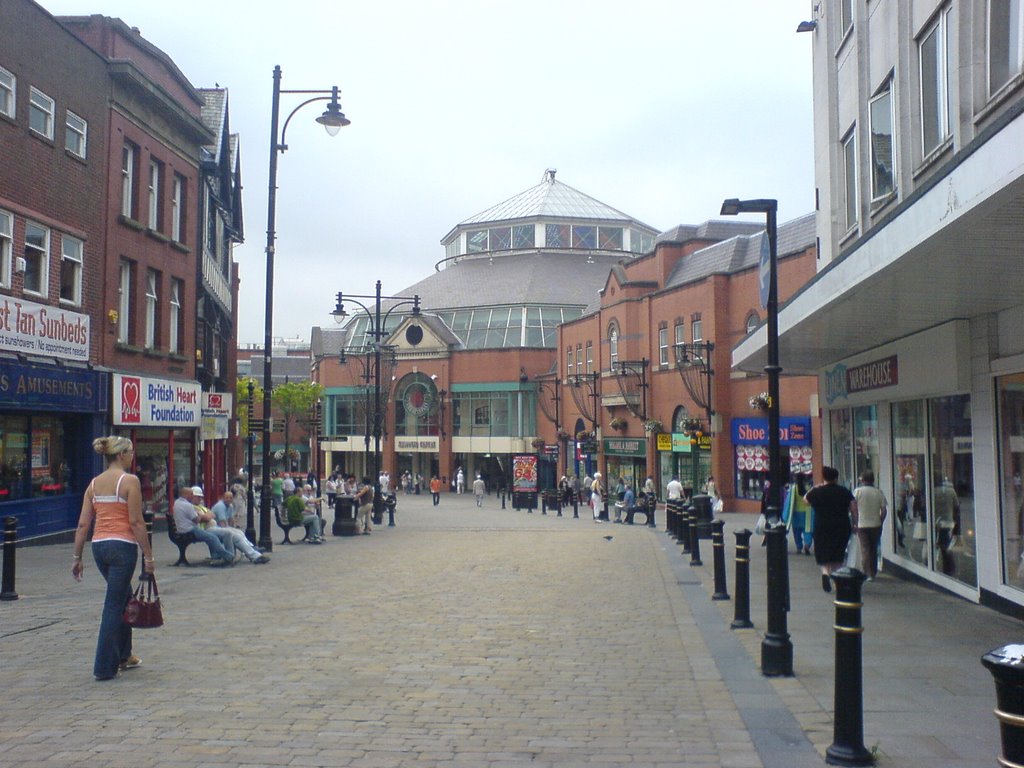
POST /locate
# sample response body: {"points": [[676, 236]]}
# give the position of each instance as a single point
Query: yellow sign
{"points": [[664, 441]]}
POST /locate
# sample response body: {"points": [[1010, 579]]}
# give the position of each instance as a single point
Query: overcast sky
{"points": [[660, 109]]}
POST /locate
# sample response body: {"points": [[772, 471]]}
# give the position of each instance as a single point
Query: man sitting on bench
{"points": [[223, 513], [187, 518]]}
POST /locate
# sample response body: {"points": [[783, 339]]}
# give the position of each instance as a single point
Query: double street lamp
{"points": [[776, 648], [377, 329], [333, 120]]}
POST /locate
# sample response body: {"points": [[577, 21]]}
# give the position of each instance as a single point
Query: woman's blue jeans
{"points": [[116, 561]]}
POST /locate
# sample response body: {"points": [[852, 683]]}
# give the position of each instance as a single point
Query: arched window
{"points": [[613, 343], [678, 418], [752, 322]]}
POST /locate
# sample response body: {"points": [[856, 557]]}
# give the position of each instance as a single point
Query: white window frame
{"points": [[938, 80], [128, 154], [124, 302], [152, 300], [8, 93], [590, 356], [851, 202], [569, 360], [845, 17], [173, 337], [887, 91], [153, 221], [6, 247], [697, 330], [663, 345], [43, 254], [42, 104], [72, 257], [1014, 32], [76, 127], [579, 357], [177, 207], [613, 346], [680, 333]]}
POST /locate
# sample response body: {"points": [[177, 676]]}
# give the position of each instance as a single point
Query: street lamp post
{"points": [[250, 523], [377, 330], [333, 119], [776, 648]]}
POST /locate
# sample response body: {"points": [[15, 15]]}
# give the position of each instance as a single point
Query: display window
{"points": [[1010, 398], [33, 463], [157, 465], [933, 476]]}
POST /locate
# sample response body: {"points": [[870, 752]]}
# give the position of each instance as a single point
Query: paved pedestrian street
{"points": [[461, 637]]}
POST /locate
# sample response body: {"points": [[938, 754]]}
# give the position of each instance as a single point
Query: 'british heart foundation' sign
{"points": [[144, 402]]}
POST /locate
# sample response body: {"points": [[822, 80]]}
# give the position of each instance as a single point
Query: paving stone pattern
{"points": [[462, 637]]}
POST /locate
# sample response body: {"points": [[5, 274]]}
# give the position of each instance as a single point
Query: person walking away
{"points": [[479, 489], [947, 524], [674, 489], [871, 511], [460, 482], [833, 507], [435, 489], [802, 517], [364, 503], [112, 507]]}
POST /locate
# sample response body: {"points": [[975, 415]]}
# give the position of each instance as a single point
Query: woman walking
{"points": [[112, 507]]}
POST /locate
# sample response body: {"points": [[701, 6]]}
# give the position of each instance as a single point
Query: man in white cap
{"points": [[188, 518]]}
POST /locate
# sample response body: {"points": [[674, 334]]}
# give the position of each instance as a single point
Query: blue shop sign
{"points": [[792, 431], [46, 388]]}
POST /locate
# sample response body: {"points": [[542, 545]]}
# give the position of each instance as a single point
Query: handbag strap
{"points": [[149, 592]]}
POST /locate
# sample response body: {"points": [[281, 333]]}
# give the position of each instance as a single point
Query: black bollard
{"points": [[147, 517], [575, 505], [558, 503], [543, 504], [718, 550], [652, 508], [684, 529], [10, 544], [1007, 667], [776, 647], [848, 724], [502, 498], [694, 539], [741, 615]]}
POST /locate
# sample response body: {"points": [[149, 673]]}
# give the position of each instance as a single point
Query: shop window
{"points": [[71, 270], [1010, 394], [883, 143], [6, 248], [1005, 42], [32, 459], [8, 91], [850, 202], [40, 113], [76, 132], [934, 65], [37, 259]]}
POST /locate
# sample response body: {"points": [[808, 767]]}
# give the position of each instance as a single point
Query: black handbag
{"points": [[143, 610]]}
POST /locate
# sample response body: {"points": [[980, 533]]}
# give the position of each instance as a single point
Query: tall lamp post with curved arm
{"points": [[333, 120], [377, 330]]}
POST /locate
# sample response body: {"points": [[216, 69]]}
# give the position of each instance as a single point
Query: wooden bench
{"points": [[281, 518], [180, 540], [645, 507]]}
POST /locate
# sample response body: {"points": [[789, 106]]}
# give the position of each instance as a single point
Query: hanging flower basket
{"points": [[760, 402], [537, 443], [279, 454], [584, 435], [690, 426], [563, 435], [618, 423], [653, 425]]}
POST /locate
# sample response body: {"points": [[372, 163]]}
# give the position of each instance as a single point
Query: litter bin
{"points": [[1007, 667], [345, 523]]}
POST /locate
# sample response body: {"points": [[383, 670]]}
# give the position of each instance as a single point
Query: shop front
{"points": [[750, 454], [49, 416], [685, 456], [898, 413], [162, 417], [625, 457]]}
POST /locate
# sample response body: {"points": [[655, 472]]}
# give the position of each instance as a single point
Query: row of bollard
{"points": [[847, 747]]}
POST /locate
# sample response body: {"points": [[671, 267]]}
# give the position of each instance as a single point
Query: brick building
{"points": [[101, 224]]}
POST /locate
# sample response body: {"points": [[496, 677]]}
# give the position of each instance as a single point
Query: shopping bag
{"points": [[760, 525], [852, 552]]}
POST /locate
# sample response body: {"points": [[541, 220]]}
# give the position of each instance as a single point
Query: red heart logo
{"points": [[130, 406]]}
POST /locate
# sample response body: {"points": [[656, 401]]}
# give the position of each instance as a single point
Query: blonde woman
{"points": [[112, 507]]}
